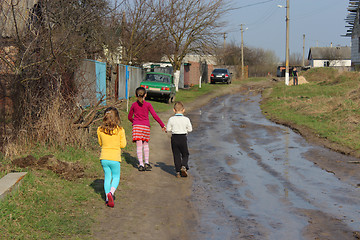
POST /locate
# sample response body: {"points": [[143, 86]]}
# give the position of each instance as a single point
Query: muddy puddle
{"points": [[253, 179]]}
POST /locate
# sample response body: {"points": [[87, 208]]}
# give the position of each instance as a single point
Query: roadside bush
{"points": [[44, 117]]}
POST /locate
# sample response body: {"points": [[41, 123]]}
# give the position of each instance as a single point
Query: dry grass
{"points": [[328, 104], [53, 127]]}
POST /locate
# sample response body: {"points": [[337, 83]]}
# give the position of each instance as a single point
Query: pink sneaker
{"points": [[110, 202]]}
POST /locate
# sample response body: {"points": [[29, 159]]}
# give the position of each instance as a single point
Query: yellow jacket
{"points": [[111, 144]]}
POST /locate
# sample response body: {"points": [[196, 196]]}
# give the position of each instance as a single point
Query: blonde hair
{"points": [[178, 106], [111, 121], [140, 94]]}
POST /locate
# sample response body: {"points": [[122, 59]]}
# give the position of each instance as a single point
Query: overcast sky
{"points": [[322, 22]]}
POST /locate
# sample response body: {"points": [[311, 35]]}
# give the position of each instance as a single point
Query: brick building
{"points": [[196, 66]]}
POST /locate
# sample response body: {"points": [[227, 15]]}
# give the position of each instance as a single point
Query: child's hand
{"points": [[164, 129]]}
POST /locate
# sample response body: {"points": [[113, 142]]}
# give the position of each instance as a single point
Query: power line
{"points": [[250, 5], [265, 17]]}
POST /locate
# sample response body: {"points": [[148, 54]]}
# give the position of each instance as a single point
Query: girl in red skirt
{"points": [[139, 116]]}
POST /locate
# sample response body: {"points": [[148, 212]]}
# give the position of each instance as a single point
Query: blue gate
{"points": [[100, 70]]}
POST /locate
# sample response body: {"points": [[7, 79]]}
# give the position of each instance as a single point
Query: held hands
{"points": [[164, 129]]}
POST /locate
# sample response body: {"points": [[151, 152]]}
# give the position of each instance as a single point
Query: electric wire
{"points": [[266, 16], [250, 5]]}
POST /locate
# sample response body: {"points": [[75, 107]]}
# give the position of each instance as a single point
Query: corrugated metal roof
{"points": [[330, 53], [352, 16]]}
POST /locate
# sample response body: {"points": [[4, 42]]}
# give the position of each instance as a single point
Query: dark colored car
{"points": [[220, 75], [159, 85]]}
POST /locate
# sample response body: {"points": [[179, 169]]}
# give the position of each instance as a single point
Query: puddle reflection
{"points": [[266, 157]]}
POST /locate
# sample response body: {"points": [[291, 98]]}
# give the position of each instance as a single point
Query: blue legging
{"points": [[112, 174]]}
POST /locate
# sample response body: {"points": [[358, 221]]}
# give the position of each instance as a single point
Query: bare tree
{"points": [[141, 35], [41, 50], [190, 26], [295, 59], [230, 55], [260, 61]]}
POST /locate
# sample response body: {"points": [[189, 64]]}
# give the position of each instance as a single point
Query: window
{"points": [[220, 70]]}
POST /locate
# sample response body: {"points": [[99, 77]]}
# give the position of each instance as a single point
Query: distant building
{"points": [[193, 66], [163, 67], [353, 31], [196, 66], [330, 57]]}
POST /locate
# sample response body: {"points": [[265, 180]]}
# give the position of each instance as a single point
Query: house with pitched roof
{"points": [[330, 56]]}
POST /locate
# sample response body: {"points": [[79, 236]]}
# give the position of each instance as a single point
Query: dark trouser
{"points": [[296, 80], [180, 151]]}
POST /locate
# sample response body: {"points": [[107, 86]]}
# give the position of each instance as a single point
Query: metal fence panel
{"points": [[129, 79], [90, 82], [122, 81], [85, 82], [100, 69], [135, 78]]}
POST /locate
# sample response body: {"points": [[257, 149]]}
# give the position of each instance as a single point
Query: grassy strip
{"points": [[49, 207], [328, 105]]}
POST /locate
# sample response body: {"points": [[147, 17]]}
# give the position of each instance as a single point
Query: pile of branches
{"points": [[93, 114]]}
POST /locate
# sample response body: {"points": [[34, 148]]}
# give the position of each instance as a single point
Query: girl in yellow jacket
{"points": [[111, 138]]}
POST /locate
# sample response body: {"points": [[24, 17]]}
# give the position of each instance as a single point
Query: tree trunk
{"points": [[176, 79]]}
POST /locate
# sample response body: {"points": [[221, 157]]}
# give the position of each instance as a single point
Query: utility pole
{"points": [[303, 62], [287, 42], [224, 40], [242, 52]]}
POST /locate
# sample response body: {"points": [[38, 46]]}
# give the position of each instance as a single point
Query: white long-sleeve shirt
{"points": [[179, 124]]}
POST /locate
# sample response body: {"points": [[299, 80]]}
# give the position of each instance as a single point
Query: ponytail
{"points": [[140, 93]]}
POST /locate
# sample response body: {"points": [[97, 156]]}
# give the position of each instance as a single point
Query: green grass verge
{"points": [[46, 207], [328, 105]]}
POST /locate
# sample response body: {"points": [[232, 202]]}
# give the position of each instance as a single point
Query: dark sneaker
{"points": [[141, 168], [148, 167], [110, 202], [183, 171], [178, 175]]}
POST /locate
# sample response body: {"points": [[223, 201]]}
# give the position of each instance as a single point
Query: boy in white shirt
{"points": [[179, 125]]}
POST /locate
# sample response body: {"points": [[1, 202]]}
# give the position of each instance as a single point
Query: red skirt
{"points": [[141, 132]]}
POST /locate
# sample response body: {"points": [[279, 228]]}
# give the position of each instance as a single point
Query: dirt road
{"points": [[254, 179], [222, 200]]}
